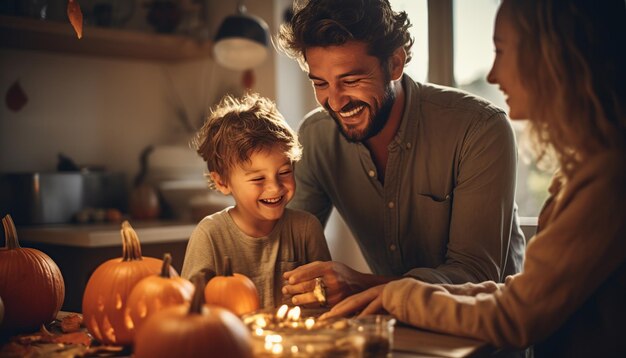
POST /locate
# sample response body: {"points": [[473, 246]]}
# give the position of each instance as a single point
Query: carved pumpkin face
{"points": [[104, 300], [31, 285]]}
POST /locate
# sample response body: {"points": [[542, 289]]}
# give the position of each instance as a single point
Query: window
{"points": [[472, 23], [418, 14]]}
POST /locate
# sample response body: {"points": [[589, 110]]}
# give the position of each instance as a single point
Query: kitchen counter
{"points": [[102, 235], [79, 249]]}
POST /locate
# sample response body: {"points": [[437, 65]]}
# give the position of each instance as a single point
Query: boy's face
{"points": [[261, 189]]}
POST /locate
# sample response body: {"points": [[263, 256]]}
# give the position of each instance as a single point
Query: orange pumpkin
{"points": [[156, 292], [1, 311], [233, 291], [196, 330], [31, 284], [104, 300]]}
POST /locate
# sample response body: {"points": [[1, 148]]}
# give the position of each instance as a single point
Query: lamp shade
{"points": [[241, 42]]}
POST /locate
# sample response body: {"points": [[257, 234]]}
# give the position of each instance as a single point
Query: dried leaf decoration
{"points": [[75, 16]]}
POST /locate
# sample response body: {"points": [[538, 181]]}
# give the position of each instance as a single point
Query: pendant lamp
{"points": [[242, 41]]}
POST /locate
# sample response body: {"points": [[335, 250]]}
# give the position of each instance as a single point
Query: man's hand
{"points": [[340, 281], [367, 302]]}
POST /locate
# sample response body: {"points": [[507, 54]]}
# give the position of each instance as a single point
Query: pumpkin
{"points": [[157, 292], [31, 284], [195, 330], [233, 291], [1, 311], [104, 299]]}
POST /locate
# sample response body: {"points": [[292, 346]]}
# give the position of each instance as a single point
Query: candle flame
{"points": [[309, 323], [280, 314], [294, 313], [261, 322]]}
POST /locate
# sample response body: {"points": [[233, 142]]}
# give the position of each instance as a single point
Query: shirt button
{"points": [[371, 173], [391, 205], [408, 146], [392, 247]]}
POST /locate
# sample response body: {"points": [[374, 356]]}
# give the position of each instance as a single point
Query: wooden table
{"points": [[410, 342]]}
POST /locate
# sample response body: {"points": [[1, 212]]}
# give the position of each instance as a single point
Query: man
{"points": [[423, 175]]}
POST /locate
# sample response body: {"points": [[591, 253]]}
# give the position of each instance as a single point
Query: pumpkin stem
{"points": [[228, 269], [197, 301], [10, 233], [131, 248], [167, 262]]}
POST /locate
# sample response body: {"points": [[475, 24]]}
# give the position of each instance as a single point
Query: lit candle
{"points": [[282, 311], [309, 323], [294, 314]]}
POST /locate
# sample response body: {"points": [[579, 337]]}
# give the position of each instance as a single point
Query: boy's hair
{"points": [[239, 127], [331, 22]]}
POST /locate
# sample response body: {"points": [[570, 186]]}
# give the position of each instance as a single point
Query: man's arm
{"points": [[482, 207]]}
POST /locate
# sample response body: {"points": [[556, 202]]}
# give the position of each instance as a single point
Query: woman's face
{"points": [[504, 71]]}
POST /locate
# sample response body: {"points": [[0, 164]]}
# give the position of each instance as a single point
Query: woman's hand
{"points": [[367, 302]]}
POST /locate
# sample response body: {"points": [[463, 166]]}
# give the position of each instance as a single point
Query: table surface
{"points": [[410, 342]]}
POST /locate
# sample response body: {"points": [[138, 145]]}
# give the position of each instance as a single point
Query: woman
{"points": [[561, 64]]}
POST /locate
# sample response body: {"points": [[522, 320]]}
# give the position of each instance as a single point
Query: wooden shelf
{"points": [[33, 34]]}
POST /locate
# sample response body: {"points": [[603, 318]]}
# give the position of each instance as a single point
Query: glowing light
{"points": [[294, 314], [282, 311]]}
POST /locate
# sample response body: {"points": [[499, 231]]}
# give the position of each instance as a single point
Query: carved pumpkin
{"points": [[104, 300], [154, 293], [233, 291], [196, 330], [31, 284]]}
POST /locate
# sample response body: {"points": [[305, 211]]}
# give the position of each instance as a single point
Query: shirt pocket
{"points": [[433, 217]]}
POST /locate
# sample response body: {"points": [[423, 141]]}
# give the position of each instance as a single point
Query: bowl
{"points": [[191, 200]]}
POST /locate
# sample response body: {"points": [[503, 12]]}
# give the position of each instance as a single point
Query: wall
{"points": [[105, 110]]}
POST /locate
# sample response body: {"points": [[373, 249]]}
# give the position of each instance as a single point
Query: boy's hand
{"points": [[339, 281]]}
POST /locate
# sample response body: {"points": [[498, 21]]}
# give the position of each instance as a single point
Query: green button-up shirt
{"points": [[446, 212]]}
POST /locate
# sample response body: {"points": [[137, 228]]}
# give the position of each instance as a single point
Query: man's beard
{"points": [[376, 122]]}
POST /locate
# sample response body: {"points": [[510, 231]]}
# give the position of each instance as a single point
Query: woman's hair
{"points": [[331, 22], [240, 127], [571, 61]]}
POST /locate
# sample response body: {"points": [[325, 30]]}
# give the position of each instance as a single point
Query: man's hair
{"points": [[571, 61], [332, 22], [240, 127]]}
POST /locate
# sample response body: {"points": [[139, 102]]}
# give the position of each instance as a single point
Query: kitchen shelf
{"points": [[33, 34]]}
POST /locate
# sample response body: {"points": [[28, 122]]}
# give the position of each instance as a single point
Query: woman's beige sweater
{"points": [[570, 298]]}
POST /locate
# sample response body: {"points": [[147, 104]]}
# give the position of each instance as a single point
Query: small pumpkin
{"points": [[31, 284], [1, 311], [233, 291], [106, 293], [194, 330], [156, 292]]}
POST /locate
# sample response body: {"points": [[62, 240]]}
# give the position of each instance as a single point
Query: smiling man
{"points": [[423, 175]]}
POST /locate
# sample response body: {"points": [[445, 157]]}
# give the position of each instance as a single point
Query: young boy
{"points": [[250, 151]]}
